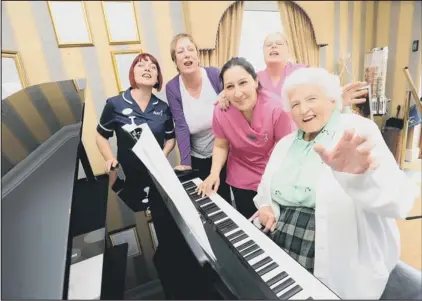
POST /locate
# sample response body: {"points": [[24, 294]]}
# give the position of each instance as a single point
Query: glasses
{"points": [[278, 43]]}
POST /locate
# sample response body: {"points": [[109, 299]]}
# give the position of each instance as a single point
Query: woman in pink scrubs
{"points": [[245, 134]]}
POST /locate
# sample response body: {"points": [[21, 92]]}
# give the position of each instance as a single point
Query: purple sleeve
{"points": [[181, 129]]}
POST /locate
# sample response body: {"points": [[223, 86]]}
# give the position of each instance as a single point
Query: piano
{"points": [[248, 265], [54, 243]]}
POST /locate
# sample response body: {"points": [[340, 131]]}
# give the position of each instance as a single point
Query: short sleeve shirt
{"points": [[251, 143], [123, 110]]}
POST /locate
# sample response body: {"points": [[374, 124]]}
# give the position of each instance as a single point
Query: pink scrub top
{"points": [[251, 144], [265, 78]]}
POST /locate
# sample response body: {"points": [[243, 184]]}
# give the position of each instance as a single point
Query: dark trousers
{"points": [[243, 199], [203, 167]]}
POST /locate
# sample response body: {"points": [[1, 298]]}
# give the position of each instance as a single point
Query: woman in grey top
{"points": [[191, 95]]}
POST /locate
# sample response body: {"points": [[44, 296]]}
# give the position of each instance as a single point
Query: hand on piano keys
{"points": [[285, 277]]}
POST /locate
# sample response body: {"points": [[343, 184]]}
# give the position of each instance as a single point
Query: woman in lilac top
{"points": [[280, 64], [191, 96]]}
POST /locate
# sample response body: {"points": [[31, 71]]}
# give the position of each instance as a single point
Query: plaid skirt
{"points": [[295, 234]]}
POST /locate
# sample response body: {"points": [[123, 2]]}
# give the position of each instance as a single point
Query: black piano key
{"points": [[229, 228], [277, 278], [224, 224], [204, 201], [195, 196], [267, 269], [254, 254], [209, 211], [218, 216], [283, 285], [291, 292], [209, 206], [239, 238], [235, 234], [245, 245], [249, 250], [188, 184], [261, 263], [190, 189]]}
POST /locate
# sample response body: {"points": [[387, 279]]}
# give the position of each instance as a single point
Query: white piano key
{"points": [[272, 274], [302, 295], [257, 258], [241, 242], [286, 289]]}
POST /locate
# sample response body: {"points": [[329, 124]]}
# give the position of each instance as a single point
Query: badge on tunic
{"points": [[127, 111]]}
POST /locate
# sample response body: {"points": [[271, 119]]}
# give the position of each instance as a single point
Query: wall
{"points": [[27, 28], [348, 27]]}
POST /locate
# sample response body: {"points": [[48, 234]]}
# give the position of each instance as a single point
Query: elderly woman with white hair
{"points": [[331, 190]]}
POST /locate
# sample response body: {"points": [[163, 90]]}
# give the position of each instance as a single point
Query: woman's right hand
{"points": [[266, 217], [110, 163]]}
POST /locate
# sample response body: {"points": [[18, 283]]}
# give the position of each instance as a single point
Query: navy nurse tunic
{"points": [[123, 110]]}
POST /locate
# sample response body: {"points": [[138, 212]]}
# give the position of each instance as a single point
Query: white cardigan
{"points": [[357, 242]]}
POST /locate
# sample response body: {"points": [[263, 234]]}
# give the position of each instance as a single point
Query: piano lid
{"points": [[38, 115], [41, 128]]}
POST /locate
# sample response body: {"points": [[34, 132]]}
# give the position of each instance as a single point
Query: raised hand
{"points": [[352, 95], [352, 154]]}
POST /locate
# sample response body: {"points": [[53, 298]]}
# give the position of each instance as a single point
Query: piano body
{"points": [[53, 222], [246, 263]]}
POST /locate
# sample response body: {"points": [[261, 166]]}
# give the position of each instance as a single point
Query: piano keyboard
{"points": [[285, 277]]}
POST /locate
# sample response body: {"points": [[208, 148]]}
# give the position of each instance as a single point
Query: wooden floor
{"points": [[411, 237]]}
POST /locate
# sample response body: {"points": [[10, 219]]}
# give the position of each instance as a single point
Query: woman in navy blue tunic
{"points": [[135, 106]]}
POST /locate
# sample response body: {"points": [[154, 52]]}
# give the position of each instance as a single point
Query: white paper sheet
{"points": [[85, 279], [150, 153]]}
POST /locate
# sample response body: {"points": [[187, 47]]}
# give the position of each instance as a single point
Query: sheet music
{"points": [[149, 152]]}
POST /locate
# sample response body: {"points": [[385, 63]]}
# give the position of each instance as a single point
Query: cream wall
{"points": [[27, 28]]}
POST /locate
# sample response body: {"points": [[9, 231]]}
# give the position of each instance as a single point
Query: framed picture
{"points": [[121, 22], [154, 238], [70, 23], [13, 78], [127, 235], [122, 59]]}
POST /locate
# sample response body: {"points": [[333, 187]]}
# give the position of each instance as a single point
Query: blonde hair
{"points": [[176, 39], [291, 59]]}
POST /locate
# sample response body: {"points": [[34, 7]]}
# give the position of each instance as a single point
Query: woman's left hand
{"points": [[352, 154], [352, 95]]}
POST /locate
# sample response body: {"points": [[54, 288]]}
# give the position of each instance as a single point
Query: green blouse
{"points": [[293, 185]]}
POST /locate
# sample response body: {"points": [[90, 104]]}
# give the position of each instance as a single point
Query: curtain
{"points": [[300, 34], [228, 38]]}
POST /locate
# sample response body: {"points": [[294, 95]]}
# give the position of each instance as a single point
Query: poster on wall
{"points": [[127, 235], [121, 24], [70, 23], [122, 60], [12, 74]]}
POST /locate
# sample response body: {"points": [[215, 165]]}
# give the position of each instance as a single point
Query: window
{"points": [[256, 25]]}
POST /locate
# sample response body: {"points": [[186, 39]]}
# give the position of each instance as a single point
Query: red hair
{"points": [[146, 57]]}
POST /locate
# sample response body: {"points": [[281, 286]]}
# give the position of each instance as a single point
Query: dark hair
{"points": [[241, 62], [145, 57]]}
